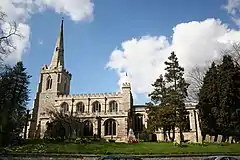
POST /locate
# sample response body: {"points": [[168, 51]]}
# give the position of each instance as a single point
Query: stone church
{"points": [[116, 111]]}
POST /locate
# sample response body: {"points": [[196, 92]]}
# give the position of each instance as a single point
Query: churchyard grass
{"points": [[124, 148]]}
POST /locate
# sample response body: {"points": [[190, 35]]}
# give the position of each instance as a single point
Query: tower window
{"points": [[59, 78], [65, 86], [49, 83]]}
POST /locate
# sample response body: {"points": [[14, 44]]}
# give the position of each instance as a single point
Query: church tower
{"points": [[55, 78], [54, 81]]}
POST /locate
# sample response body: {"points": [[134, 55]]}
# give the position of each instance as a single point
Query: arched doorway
{"points": [[87, 128], [154, 138]]}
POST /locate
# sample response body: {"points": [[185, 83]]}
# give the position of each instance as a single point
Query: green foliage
{"points": [[219, 99], [14, 95], [168, 108], [56, 128], [209, 100]]}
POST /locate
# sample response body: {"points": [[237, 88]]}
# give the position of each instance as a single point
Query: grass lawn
{"points": [[126, 148]]}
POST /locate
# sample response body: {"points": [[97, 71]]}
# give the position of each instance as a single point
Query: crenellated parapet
{"points": [[126, 85], [90, 95], [46, 69]]}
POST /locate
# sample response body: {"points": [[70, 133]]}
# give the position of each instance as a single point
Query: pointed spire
{"points": [[58, 55]]}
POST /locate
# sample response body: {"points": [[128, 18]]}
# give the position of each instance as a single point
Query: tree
{"points": [[209, 100], [219, 98], [234, 52], [6, 35], [196, 75], [60, 121], [177, 88], [229, 80], [195, 78], [169, 96], [14, 96]]}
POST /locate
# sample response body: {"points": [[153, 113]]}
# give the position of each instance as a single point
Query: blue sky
{"points": [[89, 43]]}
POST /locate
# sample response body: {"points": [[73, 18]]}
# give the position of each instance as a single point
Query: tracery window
{"points": [[96, 107], [80, 107], [110, 127], [65, 107], [113, 106]]}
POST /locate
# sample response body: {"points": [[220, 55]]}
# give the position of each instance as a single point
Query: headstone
{"points": [[73, 134], [230, 139], [219, 138], [177, 139], [212, 139], [131, 135], [207, 139]]}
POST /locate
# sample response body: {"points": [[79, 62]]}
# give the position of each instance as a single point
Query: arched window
{"points": [[59, 77], [65, 107], [113, 106], [87, 128], [138, 127], [110, 127], [80, 107], [96, 107], [49, 83], [65, 86], [187, 126]]}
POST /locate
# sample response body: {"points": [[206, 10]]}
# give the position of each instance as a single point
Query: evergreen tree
{"points": [[228, 94], [160, 115], [14, 95], [219, 99], [177, 88], [169, 95], [209, 101]]}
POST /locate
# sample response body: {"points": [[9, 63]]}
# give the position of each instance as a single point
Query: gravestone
{"points": [[207, 139], [230, 139], [212, 139], [73, 134], [219, 138], [131, 135], [177, 139]]}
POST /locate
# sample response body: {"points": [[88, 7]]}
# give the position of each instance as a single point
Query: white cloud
{"points": [[194, 43], [21, 10], [76, 9], [233, 8]]}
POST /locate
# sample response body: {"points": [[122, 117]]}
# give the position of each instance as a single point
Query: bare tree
{"points": [[7, 34], [234, 52], [195, 79], [196, 75]]}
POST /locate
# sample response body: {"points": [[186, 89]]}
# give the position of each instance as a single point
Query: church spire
{"points": [[58, 55]]}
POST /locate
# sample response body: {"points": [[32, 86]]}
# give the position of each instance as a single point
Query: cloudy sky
{"points": [[106, 38]]}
